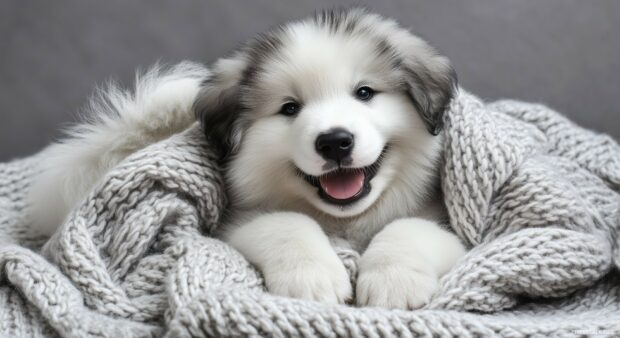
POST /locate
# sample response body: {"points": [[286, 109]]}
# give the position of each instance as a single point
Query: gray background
{"points": [[565, 53]]}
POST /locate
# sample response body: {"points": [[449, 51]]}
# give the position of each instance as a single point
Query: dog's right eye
{"points": [[290, 109]]}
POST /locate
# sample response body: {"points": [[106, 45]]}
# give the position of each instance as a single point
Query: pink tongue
{"points": [[342, 185]]}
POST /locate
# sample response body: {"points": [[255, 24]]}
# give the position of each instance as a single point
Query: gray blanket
{"points": [[535, 196]]}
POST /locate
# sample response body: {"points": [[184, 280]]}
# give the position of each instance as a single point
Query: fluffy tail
{"points": [[117, 123]]}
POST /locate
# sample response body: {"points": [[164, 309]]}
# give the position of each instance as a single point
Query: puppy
{"points": [[329, 129]]}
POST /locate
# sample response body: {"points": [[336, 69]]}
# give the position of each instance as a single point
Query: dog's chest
{"points": [[359, 231]]}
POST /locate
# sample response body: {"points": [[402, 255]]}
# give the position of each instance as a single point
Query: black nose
{"points": [[335, 144]]}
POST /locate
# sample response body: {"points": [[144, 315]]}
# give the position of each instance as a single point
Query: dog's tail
{"points": [[116, 123]]}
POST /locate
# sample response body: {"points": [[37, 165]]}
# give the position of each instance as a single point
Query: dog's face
{"points": [[326, 111]]}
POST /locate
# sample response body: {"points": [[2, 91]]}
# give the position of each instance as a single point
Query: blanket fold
{"points": [[536, 197]]}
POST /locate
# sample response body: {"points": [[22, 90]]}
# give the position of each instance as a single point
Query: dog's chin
{"points": [[346, 191]]}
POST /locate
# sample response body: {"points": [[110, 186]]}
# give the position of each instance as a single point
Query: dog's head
{"points": [[313, 111]]}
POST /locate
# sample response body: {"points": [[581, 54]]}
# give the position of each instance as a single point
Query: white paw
{"points": [[395, 286], [326, 282]]}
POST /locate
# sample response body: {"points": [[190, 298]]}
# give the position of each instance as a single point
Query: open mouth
{"points": [[345, 185]]}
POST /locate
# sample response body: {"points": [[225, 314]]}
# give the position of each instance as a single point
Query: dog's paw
{"points": [[395, 287], [322, 281]]}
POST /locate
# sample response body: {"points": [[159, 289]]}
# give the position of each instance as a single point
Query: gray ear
{"points": [[430, 82], [218, 105]]}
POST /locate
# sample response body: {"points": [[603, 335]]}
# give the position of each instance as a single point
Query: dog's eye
{"points": [[290, 109], [365, 93]]}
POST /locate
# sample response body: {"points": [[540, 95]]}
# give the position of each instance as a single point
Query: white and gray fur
{"points": [[319, 62], [276, 219], [245, 91]]}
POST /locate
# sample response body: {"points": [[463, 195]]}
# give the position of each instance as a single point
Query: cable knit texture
{"points": [[535, 196]]}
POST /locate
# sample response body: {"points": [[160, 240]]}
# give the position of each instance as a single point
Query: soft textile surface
{"points": [[536, 197]]}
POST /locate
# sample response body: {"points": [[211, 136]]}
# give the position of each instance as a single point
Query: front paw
{"points": [[326, 282], [395, 286]]}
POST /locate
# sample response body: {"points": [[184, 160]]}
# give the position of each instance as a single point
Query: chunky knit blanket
{"points": [[536, 197]]}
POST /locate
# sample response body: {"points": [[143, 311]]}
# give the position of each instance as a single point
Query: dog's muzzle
{"points": [[345, 185]]}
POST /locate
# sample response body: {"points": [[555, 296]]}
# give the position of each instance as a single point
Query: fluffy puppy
{"points": [[330, 131], [331, 127]]}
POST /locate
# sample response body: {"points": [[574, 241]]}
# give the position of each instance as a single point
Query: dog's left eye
{"points": [[365, 93]]}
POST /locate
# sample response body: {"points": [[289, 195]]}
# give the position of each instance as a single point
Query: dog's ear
{"points": [[430, 81], [218, 105]]}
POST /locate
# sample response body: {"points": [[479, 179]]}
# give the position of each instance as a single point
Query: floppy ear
{"points": [[218, 105], [430, 82]]}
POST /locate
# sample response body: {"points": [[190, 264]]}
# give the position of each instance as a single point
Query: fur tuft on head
{"points": [[426, 76]]}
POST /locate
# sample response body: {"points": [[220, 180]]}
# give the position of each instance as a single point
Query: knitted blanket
{"points": [[536, 197]]}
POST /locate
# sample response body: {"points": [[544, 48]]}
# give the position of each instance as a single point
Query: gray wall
{"points": [[565, 53]]}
